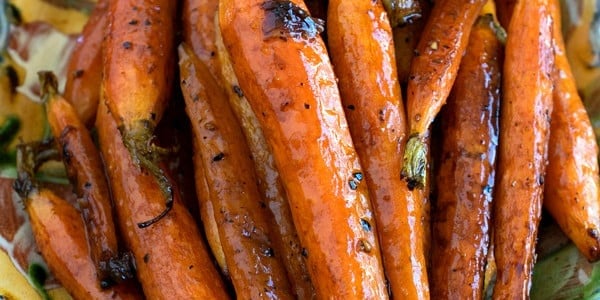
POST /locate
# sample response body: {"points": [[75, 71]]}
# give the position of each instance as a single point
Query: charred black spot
{"points": [[306, 105], [218, 157], [127, 45], [133, 22], [238, 91], [304, 252], [146, 258], [350, 107]]}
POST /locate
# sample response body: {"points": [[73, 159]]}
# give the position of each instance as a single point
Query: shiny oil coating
{"points": [[285, 237], [291, 87], [67, 256], [138, 59], [86, 171], [406, 38], [361, 47], [522, 153], [436, 60], [256, 272], [84, 70], [171, 258], [571, 190], [461, 220]]}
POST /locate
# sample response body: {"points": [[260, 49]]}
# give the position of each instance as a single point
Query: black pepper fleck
{"points": [[127, 45], [219, 157]]}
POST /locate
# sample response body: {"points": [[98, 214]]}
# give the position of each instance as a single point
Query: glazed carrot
{"points": [[199, 30], [285, 236], [288, 80], [362, 52], [85, 170], [571, 189], [84, 70], [522, 153], [171, 258], [239, 210], [465, 177], [402, 12], [433, 70], [137, 77], [406, 38], [59, 233]]}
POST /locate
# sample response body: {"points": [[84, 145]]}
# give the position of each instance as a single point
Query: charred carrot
{"points": [[465, 177], [571, 185], [433, 70], [59, 233], [171, 258], [137, 79], [523, 146], [85, 170], [84, 70], [285, 239], [364, 62], [284, 71], [254, 269]]}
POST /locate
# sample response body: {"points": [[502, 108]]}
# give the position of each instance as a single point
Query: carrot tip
{"points": [[48, 84], [29, 157], [414, 167]]}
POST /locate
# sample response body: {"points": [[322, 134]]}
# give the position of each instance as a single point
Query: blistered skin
{"points": [[523, 147], [362, 51], [171, 258], [571, 191], [256, 271], [461, 220], [84, 70], [289, 82]]}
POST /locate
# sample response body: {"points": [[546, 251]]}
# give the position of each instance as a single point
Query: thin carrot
{"points": [[523, 147], [171, 258], [84, 70], [433, 70], [364, 61], [571, 189], [199, 30], [288, 80], [406, 38], [465, 177], [85, 170]]}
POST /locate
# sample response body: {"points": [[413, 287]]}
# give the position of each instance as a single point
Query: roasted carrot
{"points": [[285, 73], [362, 52], [402, 12], [239, 209], [59, 232], [461, 219], [285, 238], [433, 70], [171, 258], [523, 146], [199, 30], [84, 70], [86, 172], [138, 76], [571, 189]]}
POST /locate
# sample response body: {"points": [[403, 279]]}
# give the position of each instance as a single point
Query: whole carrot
{"points": [[84, 70], [523, 147], [433, 70], [461, 219], [364, 62], [171, 258], [138, 76], [284, 71], [571, 185], [59, 232], [85, 170]]}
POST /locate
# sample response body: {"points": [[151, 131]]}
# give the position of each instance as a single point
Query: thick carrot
{"points": [[433, 70], [59, 232], [137, 77], [84, 70], [362, 52], [285, 238], [523, 147], [284, 71], [461, 219], [86, 172], [571, 190], [229, 171], [171, 258]]}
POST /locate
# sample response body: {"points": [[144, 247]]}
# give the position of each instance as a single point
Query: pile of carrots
{"points": [[318, 169]]}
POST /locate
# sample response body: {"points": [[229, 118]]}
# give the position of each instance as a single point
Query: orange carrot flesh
{"points": [[285, 73], [571, 190], [364, 62], [522, 153], [465, 177]]}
